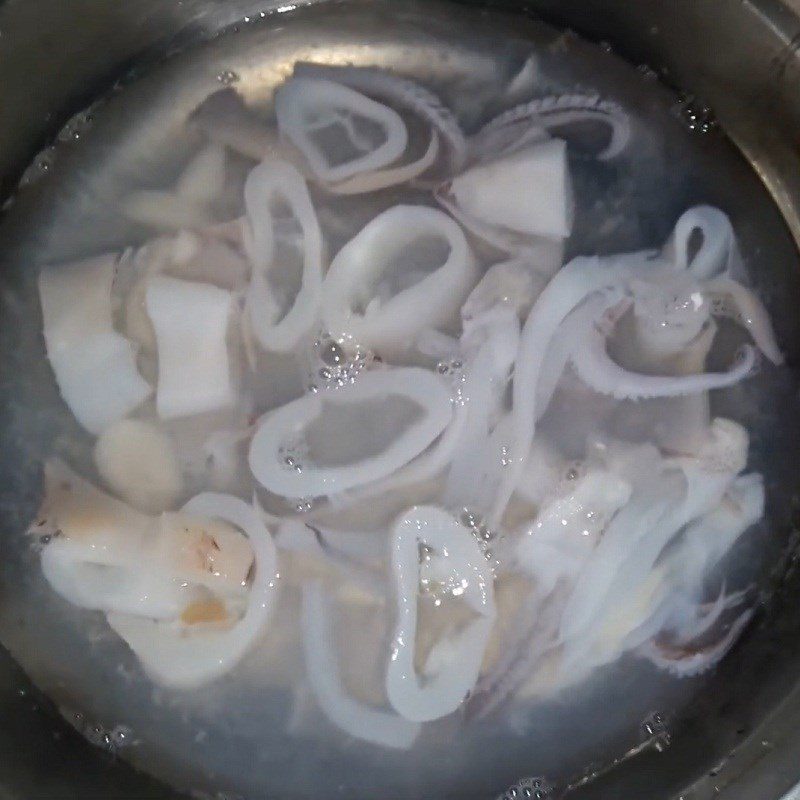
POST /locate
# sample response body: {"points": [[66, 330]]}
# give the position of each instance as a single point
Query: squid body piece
{"points": [[184, 656], [566, 530], [310, 447], [339, 131], [191, 322], [458, 563], [409, 269], [95, 367], [528, 192], [281, 308]]}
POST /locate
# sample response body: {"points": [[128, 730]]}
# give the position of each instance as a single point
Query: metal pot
{"points": [[741, 57]]}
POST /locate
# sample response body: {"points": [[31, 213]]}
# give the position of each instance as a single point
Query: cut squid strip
{"points": [[547, 113], [94, 366], [407, 270], [639, 534], [717, 246], [575, 282], [191, 323], [281, 452], [477, 461], [515, 283], [172, 653], [278, 325], [597, 369], [314, 111], [369, 724], [453, 666], [731, 298], [565, 531], [545, 255], [684, 662]]}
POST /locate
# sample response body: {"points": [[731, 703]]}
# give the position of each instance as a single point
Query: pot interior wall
{"points": [[739, 58]]}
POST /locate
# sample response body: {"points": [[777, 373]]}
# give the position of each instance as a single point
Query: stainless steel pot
{"points": [[742, 57]]}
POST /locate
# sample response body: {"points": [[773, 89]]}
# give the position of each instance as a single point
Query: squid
{"points": [[408, 270], [573, 302], [308, 448], [183, 654], [94, 365], [191, 322], [312, 111], [488, 348], [459, 566], [284, 295], [379, 726], [406, 95], [212, 255], [188, 205], [100, 553], [531, 122], [224, 118], [491, 191], [698, 482]]}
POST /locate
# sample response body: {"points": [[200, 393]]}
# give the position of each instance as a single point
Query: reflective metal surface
{"points": [[741, 57]]}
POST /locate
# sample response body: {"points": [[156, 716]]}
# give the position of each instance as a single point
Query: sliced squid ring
{"points": [[460, 557], [185, 659], [401, 92], [357, 719], [298, 476], [351, 307], [390, 176], [307, 105], [279, 329]]}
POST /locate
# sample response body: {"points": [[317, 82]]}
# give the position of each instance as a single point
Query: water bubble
{"points": [[696, 115], [227, 77], [654, 730], [425, 552], [331, 353], [304, 504], [534, 788], [647, 72]]}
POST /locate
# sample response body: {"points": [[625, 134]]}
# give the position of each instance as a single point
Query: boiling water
{"points": [[257, 732]]}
